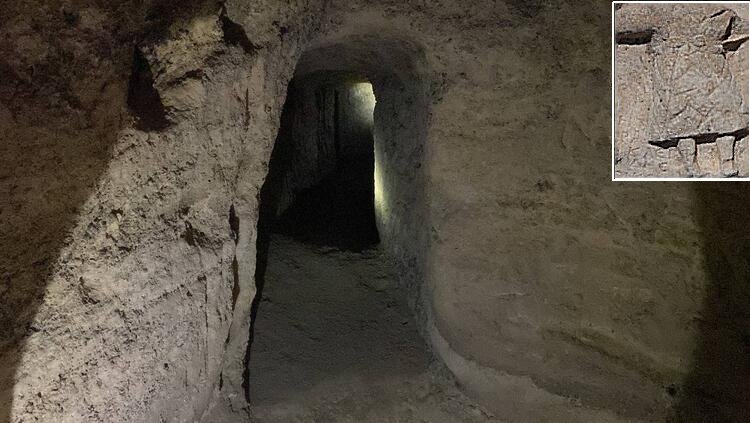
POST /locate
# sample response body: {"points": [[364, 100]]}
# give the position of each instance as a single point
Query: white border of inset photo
{"points": [[613, 47]]}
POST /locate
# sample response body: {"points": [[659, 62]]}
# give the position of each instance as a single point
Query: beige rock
{"points": [[680, 70], [550, 293]]}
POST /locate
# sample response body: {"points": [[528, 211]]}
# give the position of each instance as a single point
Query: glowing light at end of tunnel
{"points": [[365, 96], [378, 188]]}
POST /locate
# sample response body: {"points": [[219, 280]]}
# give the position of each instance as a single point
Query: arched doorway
{"points": [[341, 233]]}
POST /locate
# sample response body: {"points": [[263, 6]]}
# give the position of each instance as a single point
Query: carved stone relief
{"points": [[681, 90]]}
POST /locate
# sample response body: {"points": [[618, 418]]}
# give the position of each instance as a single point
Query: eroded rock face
{"points": [[127, 248], [682, 87], [141, 221]]}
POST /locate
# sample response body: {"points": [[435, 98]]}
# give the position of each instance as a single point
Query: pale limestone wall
{"points": [[121, 297]]}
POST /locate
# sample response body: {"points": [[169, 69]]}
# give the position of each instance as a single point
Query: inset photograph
{"points": [[680, 91]]}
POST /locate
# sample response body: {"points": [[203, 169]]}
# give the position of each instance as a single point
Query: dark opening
{"points": [[234, 34], [316, 191], [328, 309], [634, 37], [319, 189], [143, 99]]}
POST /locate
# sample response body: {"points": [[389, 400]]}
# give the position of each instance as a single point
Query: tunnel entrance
{"points": [[332, 333], [320, 185]]}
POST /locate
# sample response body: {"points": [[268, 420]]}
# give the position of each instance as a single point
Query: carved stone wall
{"points": [[681, 90], [127, 244]]}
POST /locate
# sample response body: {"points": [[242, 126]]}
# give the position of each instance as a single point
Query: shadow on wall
{"points": [[266, 215], [48, 179], [716, 389], [59, 126], [268, 203]]}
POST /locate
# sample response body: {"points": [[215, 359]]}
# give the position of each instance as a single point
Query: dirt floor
{"points": [[336, 342]]}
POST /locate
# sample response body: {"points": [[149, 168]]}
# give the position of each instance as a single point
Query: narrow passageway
{"points": [[335, 341], [333, 336], [337, 212]]}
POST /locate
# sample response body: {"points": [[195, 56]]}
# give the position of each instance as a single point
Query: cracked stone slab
{"points": [[677, 78]]}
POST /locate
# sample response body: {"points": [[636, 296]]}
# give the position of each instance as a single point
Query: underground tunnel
{"points": [[328, 312], [331, 319], [360, 211]]}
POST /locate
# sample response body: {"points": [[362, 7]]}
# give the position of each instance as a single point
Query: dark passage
{"points": [[337, 212], [332, 337], [319, 188]]}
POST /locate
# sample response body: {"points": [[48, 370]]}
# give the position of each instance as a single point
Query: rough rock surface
{"points": [[135, 138], [335, 341], [681, 90]]}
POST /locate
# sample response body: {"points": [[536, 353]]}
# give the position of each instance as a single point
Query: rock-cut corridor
{"points": [[373, 211], [333, 336]]}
